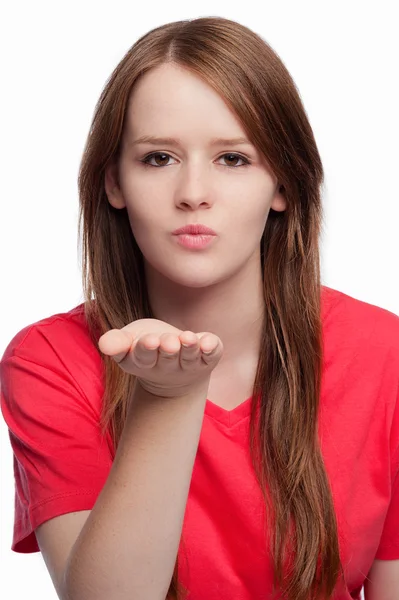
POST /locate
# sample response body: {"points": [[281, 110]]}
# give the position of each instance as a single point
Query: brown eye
{"points": [[161, 159], [233, 157], [146, 161]]}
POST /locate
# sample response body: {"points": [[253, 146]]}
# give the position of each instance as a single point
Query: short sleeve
{"points": [[60, 459], [388, 548]]}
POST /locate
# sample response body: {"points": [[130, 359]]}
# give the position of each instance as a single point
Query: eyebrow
{"points": [[150, 139]]}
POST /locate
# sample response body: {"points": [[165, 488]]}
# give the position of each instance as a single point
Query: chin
{"points": [[196, 282]]}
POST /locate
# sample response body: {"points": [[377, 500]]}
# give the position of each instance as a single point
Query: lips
{"points": [[195, 230]]}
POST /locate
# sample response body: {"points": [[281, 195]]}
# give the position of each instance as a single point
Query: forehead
{"points": [[170, 97]]}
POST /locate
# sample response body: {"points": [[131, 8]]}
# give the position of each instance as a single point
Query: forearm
{"points": [[128, 546]]}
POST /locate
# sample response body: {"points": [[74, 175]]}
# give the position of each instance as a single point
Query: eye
{"points": [[146, 160], [234, 156], [231, 156]]}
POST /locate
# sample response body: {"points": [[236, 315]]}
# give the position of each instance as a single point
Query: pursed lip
{"points": [[195, 230]]}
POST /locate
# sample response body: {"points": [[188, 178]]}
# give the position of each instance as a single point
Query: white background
{"points": [[56, 58]]}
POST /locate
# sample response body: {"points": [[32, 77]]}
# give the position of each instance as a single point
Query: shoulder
{"points": [[348, 320], [54, 356], [54, 338], [361, 379]]}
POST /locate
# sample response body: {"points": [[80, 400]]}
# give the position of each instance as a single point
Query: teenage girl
{"points": [[212, 423]]}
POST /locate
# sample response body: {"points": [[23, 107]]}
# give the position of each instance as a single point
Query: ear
{"points": [[113, 191], [279, 202]]}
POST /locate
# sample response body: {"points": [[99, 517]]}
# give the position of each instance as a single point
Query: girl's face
{"points": [[226, 186]]}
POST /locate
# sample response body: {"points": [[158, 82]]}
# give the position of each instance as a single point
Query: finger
{"points": [[190, 349], [115, 343], [145, 350], [208, 342], [213, 355], [169, 345]]}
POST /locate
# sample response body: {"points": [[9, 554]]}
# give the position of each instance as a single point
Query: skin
{"points": [[217, 289]]}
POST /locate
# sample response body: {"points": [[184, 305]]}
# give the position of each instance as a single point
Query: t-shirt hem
{"points": [[390, 552], [24, 539]]}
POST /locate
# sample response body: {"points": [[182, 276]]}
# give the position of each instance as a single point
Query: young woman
{"points": [[211, 421]]}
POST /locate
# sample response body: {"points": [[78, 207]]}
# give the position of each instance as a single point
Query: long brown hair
{"points": [[284, 442]]}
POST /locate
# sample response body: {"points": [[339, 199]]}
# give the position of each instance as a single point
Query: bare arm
{"points": [[128, 546]]}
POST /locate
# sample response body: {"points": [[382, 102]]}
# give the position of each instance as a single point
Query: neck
{"points": [[232, 309]]}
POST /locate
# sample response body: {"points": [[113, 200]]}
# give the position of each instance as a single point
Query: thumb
{"points": [[116, 343]]}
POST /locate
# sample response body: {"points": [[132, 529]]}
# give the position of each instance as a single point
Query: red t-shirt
{"points": [[51, 391]]}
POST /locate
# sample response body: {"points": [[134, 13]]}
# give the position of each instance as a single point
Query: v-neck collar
{"points": [[228, 417]]}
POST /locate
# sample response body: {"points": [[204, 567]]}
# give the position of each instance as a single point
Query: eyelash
{"points": [[149, 156]]}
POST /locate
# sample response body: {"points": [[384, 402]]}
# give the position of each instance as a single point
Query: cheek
{"points": [[144, 208], [147, 224], [252, 211], [140, 223]]}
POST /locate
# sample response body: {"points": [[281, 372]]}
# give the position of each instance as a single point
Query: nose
{"points": [[193, 185]]}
